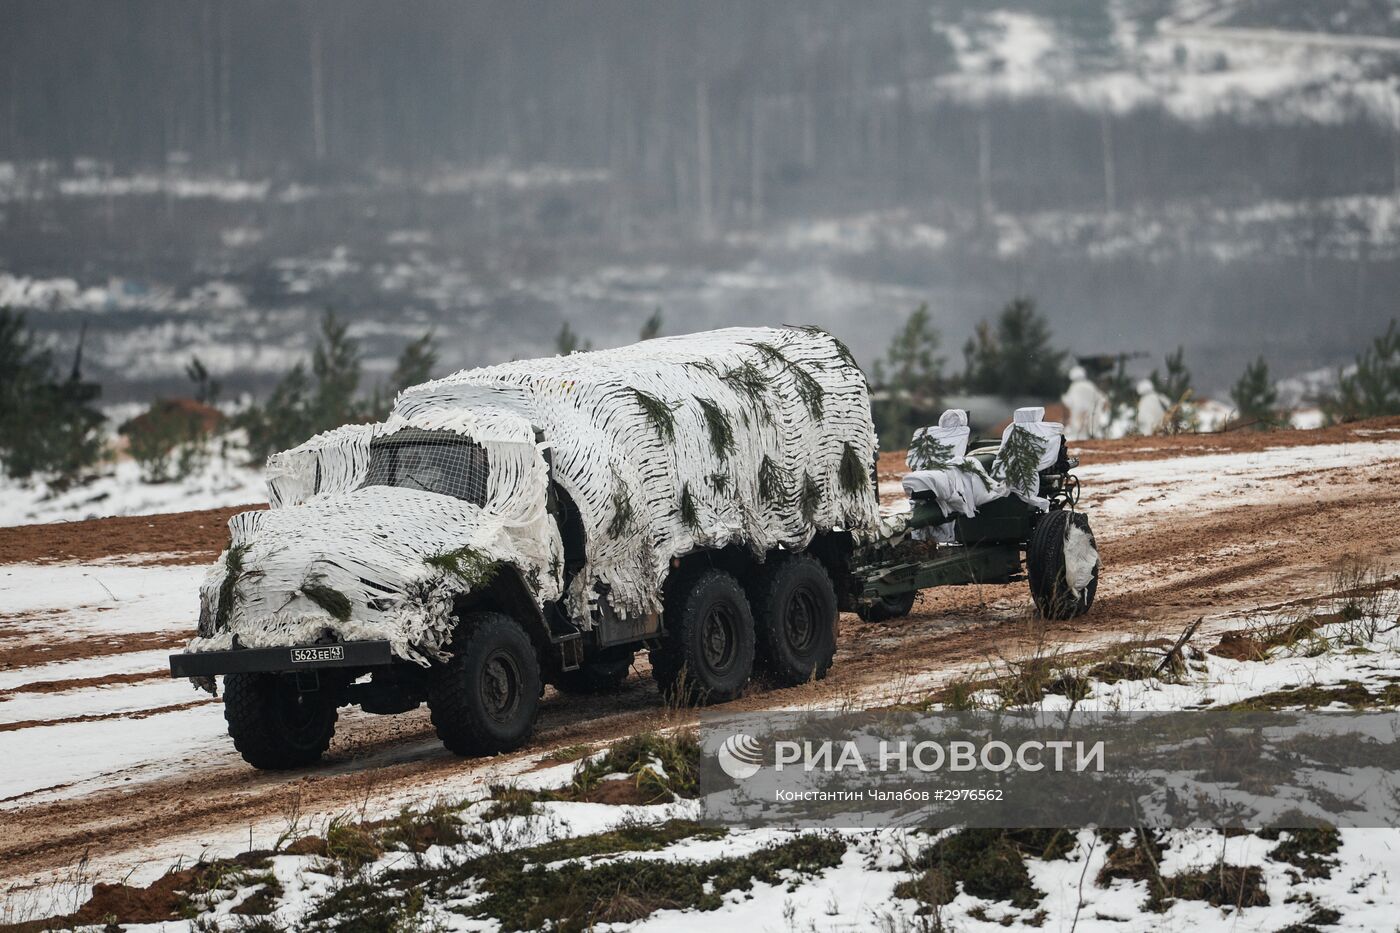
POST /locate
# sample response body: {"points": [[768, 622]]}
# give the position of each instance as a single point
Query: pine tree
{"points": [[911, 377], [48, 424], [1122, 394], [1372, 388], [1255, 397], [567, 341], [912, 362], [651, 328], [415, 363], [206, 387], [1175, 384], [302, 405], [335, 364], [1016, 358]]}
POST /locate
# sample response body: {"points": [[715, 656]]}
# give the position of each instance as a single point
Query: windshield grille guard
{"points": [[434, 461]]}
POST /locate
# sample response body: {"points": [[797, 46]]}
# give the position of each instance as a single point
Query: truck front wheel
{"points": [[484, 699], [794, 613], [274, 725], [707, 654]]}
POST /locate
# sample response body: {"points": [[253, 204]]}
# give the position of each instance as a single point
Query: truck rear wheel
{"points": [[795, 616], [484, 699], [1046, 567], [603, 674], [274, 725], [707, 654]]}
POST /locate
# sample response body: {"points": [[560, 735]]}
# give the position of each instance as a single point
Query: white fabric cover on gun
{"points": [[959, 483], [951, 432], [1049, 435]]}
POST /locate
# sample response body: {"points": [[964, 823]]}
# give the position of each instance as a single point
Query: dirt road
{"points": [[1216, 526]]}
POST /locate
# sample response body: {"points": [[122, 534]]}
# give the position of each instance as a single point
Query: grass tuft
{"points": [[676, 754], [987, 863]]}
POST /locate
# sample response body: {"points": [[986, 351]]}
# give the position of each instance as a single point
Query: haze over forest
{"points": [[199, 177]]}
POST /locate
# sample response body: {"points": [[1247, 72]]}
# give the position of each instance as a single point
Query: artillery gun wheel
{"points": [[795, 616], [1045, 566], [707, 653], [888, 607], [274, 725], [484, 699], [600, 675]]}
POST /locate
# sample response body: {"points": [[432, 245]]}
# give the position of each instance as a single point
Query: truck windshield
{"points": [[434, 461]]}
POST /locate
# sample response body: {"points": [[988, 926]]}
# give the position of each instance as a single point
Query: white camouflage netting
{"points": [[1046, 437], [755, 431]]}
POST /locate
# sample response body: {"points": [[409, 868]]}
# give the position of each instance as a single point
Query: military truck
{"points": [[710, 499], [538, 523]]}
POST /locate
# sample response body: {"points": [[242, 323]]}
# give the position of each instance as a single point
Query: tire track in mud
{"points": [[1163, 568]]}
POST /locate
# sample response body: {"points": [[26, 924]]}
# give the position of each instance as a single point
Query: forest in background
{"points": [[218, 175]]}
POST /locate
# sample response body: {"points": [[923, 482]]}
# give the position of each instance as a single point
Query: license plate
{"points": [[314, 655]]}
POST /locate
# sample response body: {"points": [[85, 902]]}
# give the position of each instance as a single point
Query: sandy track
{"points": [[1280, 537]]}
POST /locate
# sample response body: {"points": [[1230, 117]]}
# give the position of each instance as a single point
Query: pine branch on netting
{"points": [[465, 563], [773, 482], [660, 413], [690, 515], [853, 473], [228, 589], [807, 386], [622, 508], [811, 497], [720, 427], [842, 351], [333, 601], [705, 366], [748, 380]]}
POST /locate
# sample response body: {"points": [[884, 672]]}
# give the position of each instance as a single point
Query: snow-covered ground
{"points": [[119, 489], [859, 892], [152, 729], [1196, 61]]}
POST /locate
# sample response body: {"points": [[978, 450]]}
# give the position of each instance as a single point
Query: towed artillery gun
{"points": [[710, 499]]}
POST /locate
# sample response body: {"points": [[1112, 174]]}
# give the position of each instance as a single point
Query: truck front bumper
{"points": [[281, 660]]}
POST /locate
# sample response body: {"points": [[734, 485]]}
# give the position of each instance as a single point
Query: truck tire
{"points": [[484, 699], [794, 617], [600, 675], [1045, 567], [274, 725], [707, 653], [888, 607]]}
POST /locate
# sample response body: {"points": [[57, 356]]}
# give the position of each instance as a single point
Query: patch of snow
{"points": [[1081, 558], [120, 490]]}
